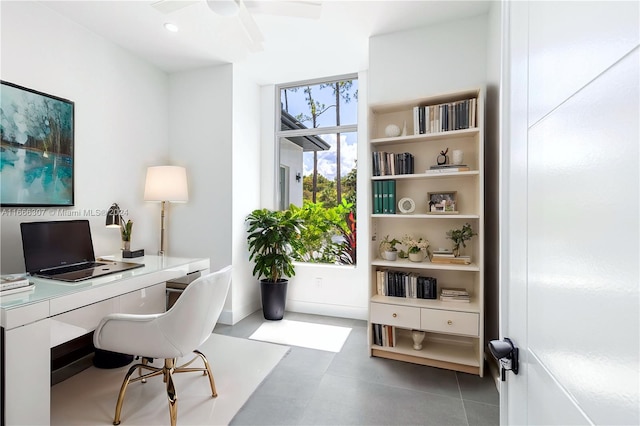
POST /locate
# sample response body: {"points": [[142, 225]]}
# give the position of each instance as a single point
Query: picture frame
{"points": [[442, 202], [36, 148]]}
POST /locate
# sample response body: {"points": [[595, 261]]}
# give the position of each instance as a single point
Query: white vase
{"points": [[390, 255], [418, 337], [416, 257], [457, 156]]}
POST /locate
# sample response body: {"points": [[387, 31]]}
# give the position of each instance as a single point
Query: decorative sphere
{"points": [[392, 131]]}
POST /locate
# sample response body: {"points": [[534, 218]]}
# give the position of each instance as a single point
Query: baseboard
{"points": [[360, 313], [231, 317]]}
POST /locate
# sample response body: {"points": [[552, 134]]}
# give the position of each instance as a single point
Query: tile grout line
{"points": [[464, 409]]}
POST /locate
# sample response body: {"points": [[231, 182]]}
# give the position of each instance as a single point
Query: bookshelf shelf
{"points": [[427, 175], [433, 137], [407, 264], [458, 347], [426, 216]]}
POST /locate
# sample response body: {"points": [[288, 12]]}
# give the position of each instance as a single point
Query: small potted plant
{"points": [[388, 248], [274, 238], [460, 237], [417, 248], [125, 232]]}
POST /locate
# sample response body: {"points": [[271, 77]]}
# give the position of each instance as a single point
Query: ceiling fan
{"points": [[244, 10]]}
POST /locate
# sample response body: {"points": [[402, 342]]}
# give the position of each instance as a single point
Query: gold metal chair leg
{"points": [[208, 372], [171, 391], [123, 389], [145, 361]]}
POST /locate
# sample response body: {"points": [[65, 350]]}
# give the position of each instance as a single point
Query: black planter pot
{"points": [[274, 296]]}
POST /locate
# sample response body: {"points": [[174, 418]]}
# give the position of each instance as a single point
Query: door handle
{"points": [[506, 352]]}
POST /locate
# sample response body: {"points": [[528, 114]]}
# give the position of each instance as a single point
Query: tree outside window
{"points": [[318, 151]]}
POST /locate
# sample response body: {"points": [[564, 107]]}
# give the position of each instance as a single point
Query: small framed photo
{"points": [[442, 202]]}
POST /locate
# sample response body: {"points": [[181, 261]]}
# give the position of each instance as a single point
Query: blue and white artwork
{"points": [[36, 148]]}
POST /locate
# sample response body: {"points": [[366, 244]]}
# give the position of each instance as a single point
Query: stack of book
{"points": [[384, 197], [447, 257], [444, 117], [454, 295], [384, 335], [389, 163], [14, 283], [405, 284], [447, 168]]}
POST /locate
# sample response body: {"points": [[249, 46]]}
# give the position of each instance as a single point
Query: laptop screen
{"points": [[56, 243]]}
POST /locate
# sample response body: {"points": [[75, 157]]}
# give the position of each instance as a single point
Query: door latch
{"points": [[507, 355]]}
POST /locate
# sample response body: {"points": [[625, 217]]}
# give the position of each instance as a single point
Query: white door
{"points": [[570, 190]]}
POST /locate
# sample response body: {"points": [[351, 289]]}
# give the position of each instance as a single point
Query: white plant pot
{"points": [[390, 255], [416, 257]]}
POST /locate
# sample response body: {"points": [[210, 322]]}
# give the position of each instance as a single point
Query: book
{"points": [[463, 299], [460, 260], [454, 292], [8, 282], [377, 197], [448, 170], [392, 196], [11, 291], [442, 255], [447, 166], [443, 251]]}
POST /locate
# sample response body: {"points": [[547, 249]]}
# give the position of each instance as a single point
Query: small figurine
{"points": [[443, 158]]}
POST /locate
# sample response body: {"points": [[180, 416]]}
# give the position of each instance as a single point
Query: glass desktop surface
{"points": [[46, 289]]}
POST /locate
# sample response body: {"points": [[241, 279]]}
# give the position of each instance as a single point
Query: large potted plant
{"points": [[274, 238]]}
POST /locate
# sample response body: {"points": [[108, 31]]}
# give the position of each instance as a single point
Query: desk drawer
{"points": [[453, 322], [399, 316]]}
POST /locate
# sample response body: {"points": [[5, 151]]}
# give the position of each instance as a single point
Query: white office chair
{"points": [[170, 335]]}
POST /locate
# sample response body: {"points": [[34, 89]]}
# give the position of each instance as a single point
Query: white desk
{"points": [[55, 312]]}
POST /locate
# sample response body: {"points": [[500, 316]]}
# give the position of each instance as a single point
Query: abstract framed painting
{"points": [[36, 148]]}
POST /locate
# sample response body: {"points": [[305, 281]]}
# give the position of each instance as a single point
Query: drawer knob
{"points": [[449, 322], [394, 315]]}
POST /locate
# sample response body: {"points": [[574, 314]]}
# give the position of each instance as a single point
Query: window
{"points": [[317, 140]]}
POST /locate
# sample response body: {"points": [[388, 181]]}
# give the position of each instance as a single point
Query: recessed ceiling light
{"points": [[171, 27]]}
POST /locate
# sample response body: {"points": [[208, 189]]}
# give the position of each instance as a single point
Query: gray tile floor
{"points": [[312, 387]]}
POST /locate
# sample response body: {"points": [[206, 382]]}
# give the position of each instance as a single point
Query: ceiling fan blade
{"points": [[250, 27], [168, 6], [295, 8]]}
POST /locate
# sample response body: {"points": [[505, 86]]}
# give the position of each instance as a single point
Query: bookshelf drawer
{"points": [[450, 322], [399, 316]]}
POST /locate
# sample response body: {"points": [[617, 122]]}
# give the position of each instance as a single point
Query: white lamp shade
{"points": [[166, 183]]}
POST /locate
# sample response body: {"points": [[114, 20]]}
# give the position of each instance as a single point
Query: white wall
{"points": [[291, 156], [215, 129], [246, 151], [428, 61], [121, 120], [201, 140]]}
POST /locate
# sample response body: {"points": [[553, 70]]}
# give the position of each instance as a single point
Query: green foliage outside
{"points": [[326, 189], [329, 233]]}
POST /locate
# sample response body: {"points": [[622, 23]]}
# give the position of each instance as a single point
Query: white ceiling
{"points": [[294, 48]]}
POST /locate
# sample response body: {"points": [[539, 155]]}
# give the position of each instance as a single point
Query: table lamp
{"points": [[114, 219], [166, 184]]}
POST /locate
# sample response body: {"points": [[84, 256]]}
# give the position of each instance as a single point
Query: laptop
{"points": [[63, 250]]}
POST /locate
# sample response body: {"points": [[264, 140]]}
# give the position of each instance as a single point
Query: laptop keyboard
{"points": [[72, 268]]}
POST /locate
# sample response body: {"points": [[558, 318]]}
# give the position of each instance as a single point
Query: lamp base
{"points": [[128, 254]]}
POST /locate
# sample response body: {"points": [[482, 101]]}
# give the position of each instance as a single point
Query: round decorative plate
{"points": [[406, 205]]}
